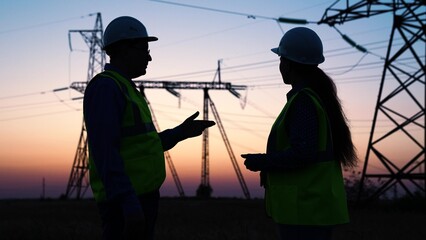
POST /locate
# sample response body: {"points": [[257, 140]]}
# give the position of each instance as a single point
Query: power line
{"points": [[254, 66], [353, 66], [35, 93], [211, 71], [249, 149], [258, 86], [20, 107], [207, 34], [228, 69], [44, 24], [222, 113], [215, 10], [23, 106], [36, 115], [252, 16], [24, 95]]}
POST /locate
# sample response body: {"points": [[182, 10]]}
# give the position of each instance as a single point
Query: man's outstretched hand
{"points": [[192, 128]]}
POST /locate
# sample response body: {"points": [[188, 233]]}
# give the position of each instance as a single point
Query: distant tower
{"points": [[204, 190], [400, 107], [78, 181]]}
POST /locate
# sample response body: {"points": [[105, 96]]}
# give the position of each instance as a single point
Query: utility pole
{"points": [[401, 81]]}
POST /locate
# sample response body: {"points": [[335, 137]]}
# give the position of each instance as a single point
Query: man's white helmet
{"points": [[301, 45], [123, 28]]}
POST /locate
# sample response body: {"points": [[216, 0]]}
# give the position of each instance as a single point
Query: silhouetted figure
{"points": [[126, 162], [308, 143]]}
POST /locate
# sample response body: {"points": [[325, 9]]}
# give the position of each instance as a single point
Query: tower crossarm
{"points": [[81, 86], [362, 9], [189, 85]]}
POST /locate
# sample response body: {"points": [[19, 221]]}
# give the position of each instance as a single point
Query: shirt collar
{"points": [[110, 67], [295, 88]]}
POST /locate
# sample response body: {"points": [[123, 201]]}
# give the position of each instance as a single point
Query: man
{"points": [[126, 162]]}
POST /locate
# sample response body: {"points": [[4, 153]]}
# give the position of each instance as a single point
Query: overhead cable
{"points": [[19, 107], [351, 68], [44, 24], [355, 45], [35, 93], [248, 15], [36, 115]]}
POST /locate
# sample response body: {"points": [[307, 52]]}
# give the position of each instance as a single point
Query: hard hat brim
{"points": [[151, 39], [148, 39], [276, 51]]}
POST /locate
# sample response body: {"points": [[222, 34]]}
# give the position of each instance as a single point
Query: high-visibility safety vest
{"points": [[314, 194], [140, 145]]}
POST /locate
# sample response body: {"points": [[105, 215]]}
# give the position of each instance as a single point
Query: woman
{"points": [[308, 143]]}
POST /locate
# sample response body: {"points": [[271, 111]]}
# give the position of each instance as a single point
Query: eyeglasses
{"points": [[141, 48]]}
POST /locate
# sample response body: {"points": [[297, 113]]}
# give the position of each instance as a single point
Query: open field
{"points": [[192, 219]]}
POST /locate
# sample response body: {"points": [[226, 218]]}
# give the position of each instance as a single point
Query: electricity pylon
{"points": [[401, 98], [78, 182]]}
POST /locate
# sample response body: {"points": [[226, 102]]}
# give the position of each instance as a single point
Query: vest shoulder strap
{"points": [[139, 124]]}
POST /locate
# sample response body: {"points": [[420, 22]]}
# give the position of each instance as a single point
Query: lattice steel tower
{"points": [[78, 181], [400, 101]]}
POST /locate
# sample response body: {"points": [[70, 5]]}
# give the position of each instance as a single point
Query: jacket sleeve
{"points": [[170, 137], [103, 108]]}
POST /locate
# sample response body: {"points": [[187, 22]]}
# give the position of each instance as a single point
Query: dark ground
{"points": [[192, 219]]}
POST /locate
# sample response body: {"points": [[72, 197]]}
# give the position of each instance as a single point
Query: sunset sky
{"points": [[40, 129]]}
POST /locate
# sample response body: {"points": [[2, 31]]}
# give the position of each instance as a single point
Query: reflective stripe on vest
{"points": [[140, 145], [313, 195]]}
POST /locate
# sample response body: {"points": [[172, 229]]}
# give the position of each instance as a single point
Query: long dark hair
{"points": [[323, 85]]}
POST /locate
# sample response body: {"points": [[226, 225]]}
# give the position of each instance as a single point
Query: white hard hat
{"points": [[301, 45], [123, 28]]}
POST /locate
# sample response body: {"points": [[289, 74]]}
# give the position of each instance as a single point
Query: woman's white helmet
{"points": [[301, 45], [125, 27]]}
